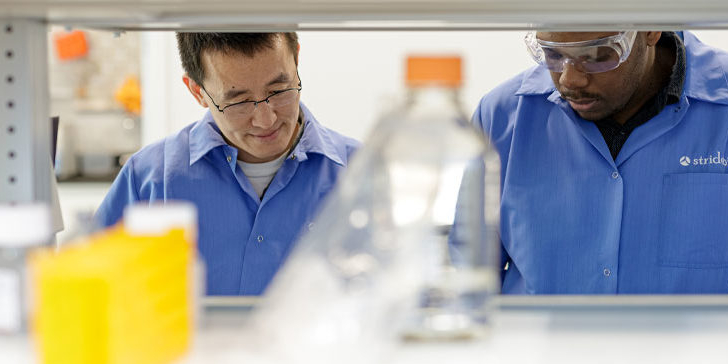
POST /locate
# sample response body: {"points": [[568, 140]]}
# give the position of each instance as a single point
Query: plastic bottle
{"points": [[356, 281], [22, 227], [123, 295], [463, 252], [158, 219]]}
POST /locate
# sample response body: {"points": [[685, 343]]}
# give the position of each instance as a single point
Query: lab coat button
{"points": [[615, 174], [260, 238], [229, 158], [607, 272]]}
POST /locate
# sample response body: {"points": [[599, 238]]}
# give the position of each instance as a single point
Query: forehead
{"points": [[572, 36], [232, 67]]}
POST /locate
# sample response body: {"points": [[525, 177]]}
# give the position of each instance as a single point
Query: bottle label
{"points": [[10, 315]]}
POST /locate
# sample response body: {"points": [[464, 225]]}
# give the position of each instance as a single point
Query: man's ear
{"points": [[652, 38], [195, 90]]}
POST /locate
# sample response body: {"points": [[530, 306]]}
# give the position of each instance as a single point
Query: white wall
{"points": [[353, 75], [167, 106], [347, 76]]}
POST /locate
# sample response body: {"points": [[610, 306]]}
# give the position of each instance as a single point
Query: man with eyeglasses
{"points": [[257, 165], [614, 173]]}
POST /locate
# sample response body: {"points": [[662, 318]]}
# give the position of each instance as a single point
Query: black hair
{"points": [[192, 45]]}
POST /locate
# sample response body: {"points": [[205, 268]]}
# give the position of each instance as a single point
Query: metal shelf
{"points": [[247, 15]]}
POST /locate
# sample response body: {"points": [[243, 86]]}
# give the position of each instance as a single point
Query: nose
{"points": [[263, 116], [572, 78]]}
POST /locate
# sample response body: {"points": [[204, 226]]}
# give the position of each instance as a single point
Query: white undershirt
{"points": [[260, 174]]}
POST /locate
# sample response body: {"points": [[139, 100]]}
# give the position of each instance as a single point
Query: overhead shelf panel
{"points": [[243, 15]]}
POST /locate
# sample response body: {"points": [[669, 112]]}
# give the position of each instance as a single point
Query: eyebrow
{"points": [[281, 78]]}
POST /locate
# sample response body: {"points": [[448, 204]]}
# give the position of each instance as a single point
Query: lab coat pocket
{"points": [[694, 221]]}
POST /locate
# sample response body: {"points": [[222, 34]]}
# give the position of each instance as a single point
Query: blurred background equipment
{"points": [[93, 144], [129, 95], [94, 87], [70, 45]]}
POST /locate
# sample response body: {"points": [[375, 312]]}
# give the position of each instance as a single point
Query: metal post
{"points": [[25, 173]]}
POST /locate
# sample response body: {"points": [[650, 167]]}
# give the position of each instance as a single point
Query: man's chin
{"points": [[592, 115]]}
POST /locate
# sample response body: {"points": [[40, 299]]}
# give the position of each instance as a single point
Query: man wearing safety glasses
{"points": [[614, 170], [257, 165]]}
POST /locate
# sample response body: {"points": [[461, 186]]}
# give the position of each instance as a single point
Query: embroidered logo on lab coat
{"points": [[717, 158]]}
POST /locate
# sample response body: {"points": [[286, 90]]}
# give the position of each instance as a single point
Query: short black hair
{"points": [[192, 45]]}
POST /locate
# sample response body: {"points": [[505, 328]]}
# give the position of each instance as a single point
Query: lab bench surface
{"points": [[547, 329]]}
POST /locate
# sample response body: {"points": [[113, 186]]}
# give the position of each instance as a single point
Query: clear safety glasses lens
{"points": [[594, 56], [590, 59]]}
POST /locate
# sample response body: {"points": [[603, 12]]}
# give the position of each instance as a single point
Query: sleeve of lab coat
{"points": [[123, 192]]}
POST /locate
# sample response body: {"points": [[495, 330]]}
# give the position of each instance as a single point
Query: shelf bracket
{"points": [[25, 137]]}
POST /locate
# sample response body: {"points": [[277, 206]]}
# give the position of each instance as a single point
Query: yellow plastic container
{"points": [[114, 299]]}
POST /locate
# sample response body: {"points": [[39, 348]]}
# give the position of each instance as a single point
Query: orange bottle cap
{"points": [[434, 70]]}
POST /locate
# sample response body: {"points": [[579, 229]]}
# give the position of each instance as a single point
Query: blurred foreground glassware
{"points": [[22, 227], [461, 273], [383, 260]]}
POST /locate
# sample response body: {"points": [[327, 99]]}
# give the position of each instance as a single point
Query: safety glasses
{"points": [[590, 56]]}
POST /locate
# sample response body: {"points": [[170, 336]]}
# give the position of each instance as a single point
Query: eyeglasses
{"points": [[590, 56], [245, 108]]}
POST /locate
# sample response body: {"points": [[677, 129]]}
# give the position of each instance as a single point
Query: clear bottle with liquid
{"points": [[406, 245], [460, 275]]}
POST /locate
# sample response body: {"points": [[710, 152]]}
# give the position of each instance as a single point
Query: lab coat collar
{"points": [[705, 77], [536, 81], [204, 137], [317, 139]]}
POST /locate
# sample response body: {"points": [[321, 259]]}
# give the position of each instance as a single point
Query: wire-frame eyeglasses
{"points": [[244, 108]]}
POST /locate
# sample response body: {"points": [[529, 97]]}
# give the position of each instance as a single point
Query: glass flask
{"points": [[406, 245]]}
